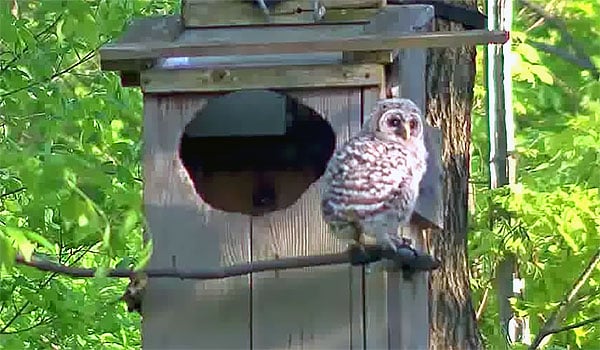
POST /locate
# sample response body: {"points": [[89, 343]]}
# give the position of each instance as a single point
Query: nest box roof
{"points": [[369, 38]]}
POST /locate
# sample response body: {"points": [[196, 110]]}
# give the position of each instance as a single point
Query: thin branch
{"points": [[43, 321], [10, 193], [404, 258], [562, 28], [564, 54], [86, 58], [560, 313], [482, 304], [575, 325], [23, 307], [17, 56]]}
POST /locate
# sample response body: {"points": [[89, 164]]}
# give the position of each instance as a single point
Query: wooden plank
{"points": [[396, 19], [291, 5], [313, 76], [282, 45], [408, 304], [375, 290], [429, 211], [203, 13], [238, 61], [144, 30], [187, 233], [225, 34], [313, 308], [384, 57], [268, 34]]}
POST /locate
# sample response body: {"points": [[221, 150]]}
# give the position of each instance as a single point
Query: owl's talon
{"points": [[358, 255], [402, 249]]}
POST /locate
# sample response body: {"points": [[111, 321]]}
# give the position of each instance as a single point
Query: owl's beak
{"points": [[405, 131]]}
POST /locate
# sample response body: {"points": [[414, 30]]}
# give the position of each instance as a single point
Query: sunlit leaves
{"points": [[554, 211], [70, 186]]}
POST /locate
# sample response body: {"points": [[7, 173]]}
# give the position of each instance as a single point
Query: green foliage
{"points": [[70, 183], [555, 207]]}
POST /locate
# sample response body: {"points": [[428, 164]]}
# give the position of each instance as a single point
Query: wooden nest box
{"points": [[241, 115]]}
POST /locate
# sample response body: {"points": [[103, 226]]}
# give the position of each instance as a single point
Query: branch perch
{"points": [[355, 255], [552, 325]]}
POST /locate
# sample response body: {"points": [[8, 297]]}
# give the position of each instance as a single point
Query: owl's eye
{"points": [[394, 122], [413, 124]]}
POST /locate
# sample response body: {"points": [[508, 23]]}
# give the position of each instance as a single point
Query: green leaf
{"points": [[21, 241], [543, 74]]}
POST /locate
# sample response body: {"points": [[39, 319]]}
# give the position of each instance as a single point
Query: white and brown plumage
{"points": [[372, 181]]}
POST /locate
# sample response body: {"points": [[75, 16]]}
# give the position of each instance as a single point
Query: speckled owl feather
{"points": [[372, 180]]}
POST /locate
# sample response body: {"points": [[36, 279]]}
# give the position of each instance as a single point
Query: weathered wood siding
{"points": [[312, 308], [315, 308], [189, 314]]}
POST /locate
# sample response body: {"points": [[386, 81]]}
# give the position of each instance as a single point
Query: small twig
{"points": [[575, 325], [10, 193], [43, 321], [560, 313], [21, 310], [368, 255], [86, 58], [482, 304], [18, 56]]}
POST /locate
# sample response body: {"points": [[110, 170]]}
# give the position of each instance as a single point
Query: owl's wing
{"points": [[363, 176]]}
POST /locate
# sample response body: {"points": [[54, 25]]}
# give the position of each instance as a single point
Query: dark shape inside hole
{"points": [[255, 151]]}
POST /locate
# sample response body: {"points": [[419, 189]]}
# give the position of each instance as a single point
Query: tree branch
{"points": [[565, 55], [482, 304], [85, 58], [553, 323], [37, 324], [574, 325], [564, 31], [10, 193], [17, 56], [356, 255], [21, 310]]}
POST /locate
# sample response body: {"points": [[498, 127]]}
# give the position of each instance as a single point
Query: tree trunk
{"points": [[450, 80]]}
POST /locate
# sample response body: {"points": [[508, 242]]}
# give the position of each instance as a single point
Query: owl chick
{"points": [[372, 181]]}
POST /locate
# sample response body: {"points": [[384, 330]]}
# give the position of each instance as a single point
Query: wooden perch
{"points": [[355, 255]]}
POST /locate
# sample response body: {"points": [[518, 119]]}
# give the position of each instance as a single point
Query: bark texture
{"points": [[450, 80]]}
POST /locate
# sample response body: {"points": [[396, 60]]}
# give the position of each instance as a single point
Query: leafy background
{"points": [[70, 180]]}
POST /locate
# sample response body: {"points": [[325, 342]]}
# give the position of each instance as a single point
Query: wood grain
{"points": [[203, 13], [144, 30], [407, 304], [278, 77], [187, 233], [282, 45], [313, 308]]}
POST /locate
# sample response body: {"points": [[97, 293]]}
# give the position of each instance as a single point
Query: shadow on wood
{"points": [[255, 151]]}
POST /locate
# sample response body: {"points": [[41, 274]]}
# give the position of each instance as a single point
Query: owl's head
{"points": [[396, 120]]}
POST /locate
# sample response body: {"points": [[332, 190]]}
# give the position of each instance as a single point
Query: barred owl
{"points": [[372, 182]]}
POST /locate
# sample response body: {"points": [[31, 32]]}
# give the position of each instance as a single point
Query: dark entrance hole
{"points": [[255, 151]]}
